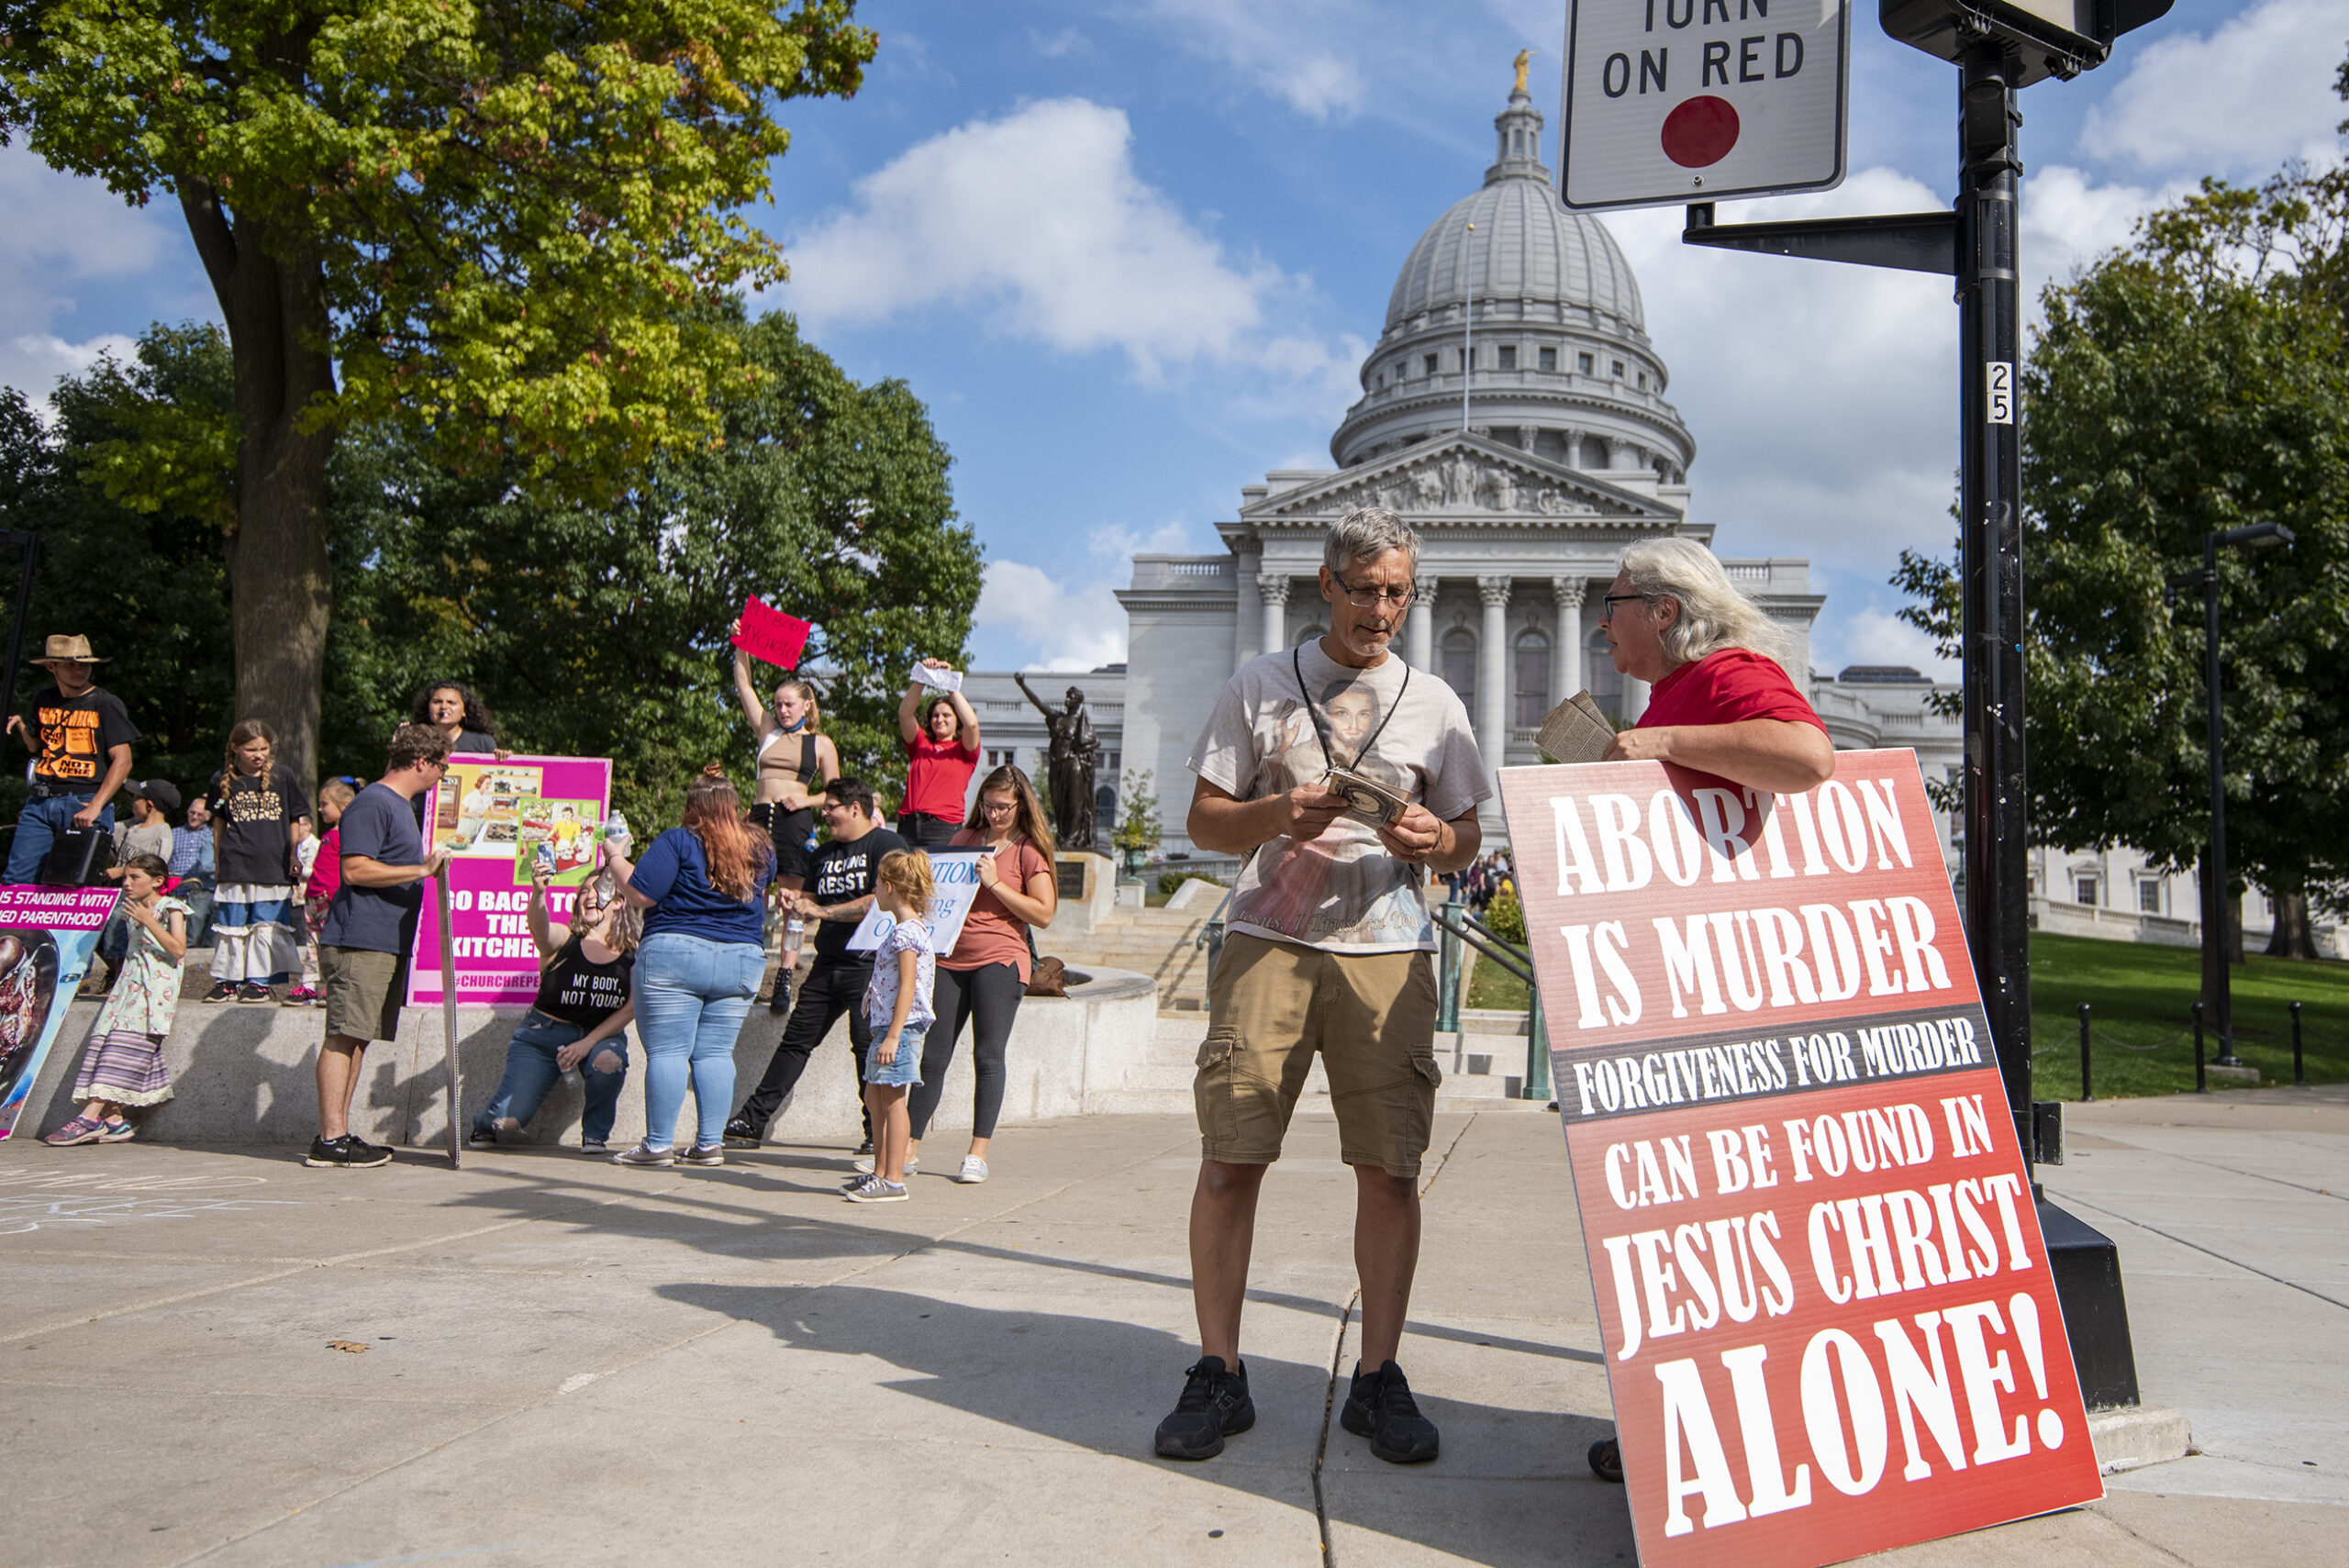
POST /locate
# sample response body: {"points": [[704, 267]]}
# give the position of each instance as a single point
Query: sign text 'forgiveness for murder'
{"points": [[1830, 1323], [1702, 100]]}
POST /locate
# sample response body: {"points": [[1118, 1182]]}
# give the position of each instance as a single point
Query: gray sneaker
{"points": [[704, 1154], [872, 1189], [642, 1155], [973, 1171]]}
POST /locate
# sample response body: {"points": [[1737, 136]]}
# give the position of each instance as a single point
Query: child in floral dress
{"points": [[122, 1065]]}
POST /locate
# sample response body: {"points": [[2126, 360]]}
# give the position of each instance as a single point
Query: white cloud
{"points": [[1059, 45], [1114, 541], [1038, 221], [61, 229], [2236, 102], [1050, 624], [1875, 636], [1286, 49]]}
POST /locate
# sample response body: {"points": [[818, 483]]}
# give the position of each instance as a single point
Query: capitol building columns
{"points": [[1272, 587], [1565, 645], [1492, 674], [1419, 630]]}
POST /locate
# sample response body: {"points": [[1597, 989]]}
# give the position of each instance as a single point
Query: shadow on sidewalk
{"points": [[1103, 1385]]}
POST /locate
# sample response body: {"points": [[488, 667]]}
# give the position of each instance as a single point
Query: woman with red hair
{"points": [[703, 886]]}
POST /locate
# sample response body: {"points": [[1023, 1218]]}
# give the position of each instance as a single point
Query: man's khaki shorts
{"points": [[364, 990], [1370, 1015]]}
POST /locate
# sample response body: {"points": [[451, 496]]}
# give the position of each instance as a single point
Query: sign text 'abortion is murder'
{"points": [[1830, 1323]]}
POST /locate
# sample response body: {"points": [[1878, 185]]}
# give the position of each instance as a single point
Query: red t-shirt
{"points": [[1727, 687], [991, 933], [937, 776]]}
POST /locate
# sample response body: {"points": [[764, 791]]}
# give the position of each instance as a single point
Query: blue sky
{"points": [[1130, 255]]}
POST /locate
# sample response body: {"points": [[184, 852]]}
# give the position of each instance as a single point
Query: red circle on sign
{"points": [[1700, 132]]}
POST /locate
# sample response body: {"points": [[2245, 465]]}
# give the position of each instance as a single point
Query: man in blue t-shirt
{"points": [[369, 932]]}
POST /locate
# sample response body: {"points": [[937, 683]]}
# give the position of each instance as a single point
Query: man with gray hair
{"points": [[1328, 950]]}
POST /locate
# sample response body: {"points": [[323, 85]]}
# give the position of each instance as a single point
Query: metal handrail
{"points": [[1211, 934], [1454, 920]]}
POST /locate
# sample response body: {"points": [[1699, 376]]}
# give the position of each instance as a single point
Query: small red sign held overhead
{"points": [[767, 633]]}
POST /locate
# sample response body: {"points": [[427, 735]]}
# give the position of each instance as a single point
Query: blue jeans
{"points": [[692, 996], [530, 1072], [37, 827]]}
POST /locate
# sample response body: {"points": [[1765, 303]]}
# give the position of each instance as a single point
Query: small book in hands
{"points": [[1367, 800], [1577, 730]]}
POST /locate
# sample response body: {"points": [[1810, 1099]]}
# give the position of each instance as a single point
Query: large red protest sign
{"points": [[1830, 1323]]}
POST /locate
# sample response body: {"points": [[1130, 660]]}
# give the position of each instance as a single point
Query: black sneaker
{"points": [[865, 1147], [345, 1153], [1607, 1461], [1379, 1406], [779, 999], [481, 1135], [1215, 1406], [741, 1134], [254, 990], [223, 992]]}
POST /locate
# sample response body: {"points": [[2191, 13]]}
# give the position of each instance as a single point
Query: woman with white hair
{"points": [[1722, 703]]}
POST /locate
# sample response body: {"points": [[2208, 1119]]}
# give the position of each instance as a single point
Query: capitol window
{"points": [[1460, 665], [1508, 356], [1643, 381], [1430, 364], [1532, 679], [1619, 370], [2149, 896], [1583, 363], [1549, 359]]}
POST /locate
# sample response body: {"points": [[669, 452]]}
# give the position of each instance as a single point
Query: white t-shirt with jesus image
{"points": [[1339, 891]]}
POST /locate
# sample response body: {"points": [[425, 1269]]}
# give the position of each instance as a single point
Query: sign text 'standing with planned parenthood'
{"points": [[1830, 1323]]}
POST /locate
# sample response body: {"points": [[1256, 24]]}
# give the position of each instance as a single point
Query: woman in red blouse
{"points": [[1723, 704]]}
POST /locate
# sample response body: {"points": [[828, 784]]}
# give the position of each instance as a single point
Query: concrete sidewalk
{"points": [[570, 1363]]}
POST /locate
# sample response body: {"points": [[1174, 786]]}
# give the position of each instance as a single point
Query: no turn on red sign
{"points": [[1702, 100]]}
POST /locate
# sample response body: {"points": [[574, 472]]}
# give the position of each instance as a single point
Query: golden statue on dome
{"points": [[1524, 58]]}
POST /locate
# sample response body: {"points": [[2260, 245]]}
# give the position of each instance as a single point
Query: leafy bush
{"points": [[1505, 917]]}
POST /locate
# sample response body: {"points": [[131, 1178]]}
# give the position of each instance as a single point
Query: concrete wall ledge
{"points": [[246, 1074]]}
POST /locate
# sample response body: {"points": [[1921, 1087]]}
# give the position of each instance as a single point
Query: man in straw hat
{"points": [[81, 738]]}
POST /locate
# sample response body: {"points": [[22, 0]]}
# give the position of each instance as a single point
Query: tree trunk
{"points": [[2293, 936], [280, 586]]}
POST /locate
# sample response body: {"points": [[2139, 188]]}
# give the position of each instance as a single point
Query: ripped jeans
{"points": [[530, 1072]]}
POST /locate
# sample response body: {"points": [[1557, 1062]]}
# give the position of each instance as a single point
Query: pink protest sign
{"points": [[767, 633], [495, 818]]}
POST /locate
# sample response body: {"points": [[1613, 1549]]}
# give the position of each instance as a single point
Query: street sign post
{"points": [[1672, 101]]}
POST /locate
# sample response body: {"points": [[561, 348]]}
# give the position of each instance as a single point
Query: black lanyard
{"points": [[1321, 728]]}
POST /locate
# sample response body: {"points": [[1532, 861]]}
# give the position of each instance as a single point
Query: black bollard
{"points": [[2087, 1091], [2199, 1086], [2300, 1074]]}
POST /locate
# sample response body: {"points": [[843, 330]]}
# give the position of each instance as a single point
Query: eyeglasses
{"points": [[1372, 598], [994, 808], [1614, 599]]}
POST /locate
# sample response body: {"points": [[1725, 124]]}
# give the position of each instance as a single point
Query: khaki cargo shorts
{"points": [[1370, 1015], [364, 990]]}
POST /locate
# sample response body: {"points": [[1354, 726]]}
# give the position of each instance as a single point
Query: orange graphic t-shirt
{"points": [[72, 735]]}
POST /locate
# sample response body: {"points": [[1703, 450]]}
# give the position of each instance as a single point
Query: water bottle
{"points": [[616, 832], [794, 931]]}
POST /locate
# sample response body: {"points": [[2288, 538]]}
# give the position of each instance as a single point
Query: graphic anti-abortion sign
{"points": [[956, 873], [46, 936], [1829, 1319], [495, 818]]}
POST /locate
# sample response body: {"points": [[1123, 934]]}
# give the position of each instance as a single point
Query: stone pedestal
{"points": [[1088, 892]]}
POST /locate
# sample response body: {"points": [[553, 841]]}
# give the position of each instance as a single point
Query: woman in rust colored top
{"points": [[983, 980]]}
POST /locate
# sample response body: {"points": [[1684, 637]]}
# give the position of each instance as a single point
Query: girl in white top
{"points": [[897, 1006]]}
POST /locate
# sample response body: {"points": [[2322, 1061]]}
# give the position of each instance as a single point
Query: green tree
{"points": [[147, 587], [1138, 825], [602, 632], [2196, 381], [488, 225]]}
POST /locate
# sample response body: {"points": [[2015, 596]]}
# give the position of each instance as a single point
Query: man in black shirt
{"points": [[838, 895], [81, 740]]}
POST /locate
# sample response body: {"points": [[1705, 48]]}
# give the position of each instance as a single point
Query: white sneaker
{"points": [[864, 1163], [973, 1171]]}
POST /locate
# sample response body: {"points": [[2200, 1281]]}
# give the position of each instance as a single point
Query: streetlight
{"points": [[2257, 536]]}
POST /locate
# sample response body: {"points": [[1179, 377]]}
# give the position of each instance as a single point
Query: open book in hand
{"points": [[1575, 731], [1367, 800]]}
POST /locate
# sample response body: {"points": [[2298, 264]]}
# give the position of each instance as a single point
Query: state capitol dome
{"points": [[1563, 365]]}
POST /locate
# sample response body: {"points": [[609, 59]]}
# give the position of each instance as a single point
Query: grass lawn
{"points": [[2140, 1016]]}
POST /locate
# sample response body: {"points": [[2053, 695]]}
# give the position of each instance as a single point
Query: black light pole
{"points": [[2216, 979]]}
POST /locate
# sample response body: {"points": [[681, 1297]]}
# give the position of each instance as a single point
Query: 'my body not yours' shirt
{"points": [[71, 736]]}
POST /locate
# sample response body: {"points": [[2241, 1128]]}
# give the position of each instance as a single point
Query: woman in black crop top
{"points": [[579, 1020]]}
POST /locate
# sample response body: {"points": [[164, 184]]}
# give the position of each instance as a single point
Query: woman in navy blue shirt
{"points": [[703, 886]]}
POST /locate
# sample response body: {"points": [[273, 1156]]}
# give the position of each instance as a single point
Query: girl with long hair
{"points": [[579, 1019], [456, 710], [982, 981], [703, 886], [796, 761], [255, 801]]}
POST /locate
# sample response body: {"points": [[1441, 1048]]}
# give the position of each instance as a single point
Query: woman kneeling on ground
{"points": [[579, 1020], [704, 953]]}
